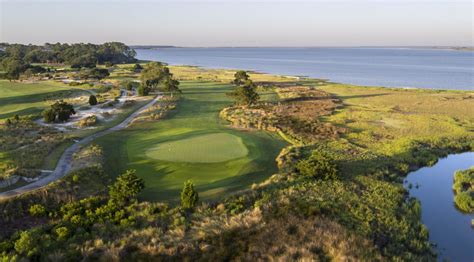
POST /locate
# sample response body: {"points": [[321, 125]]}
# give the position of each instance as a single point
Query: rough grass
{"points": [[221, 75], [195, 115]]}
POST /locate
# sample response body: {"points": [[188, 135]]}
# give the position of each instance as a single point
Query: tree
{"points": [[97, 73], [92, 100], [171, 85], [245, 94], [59, 111], [126, 188], [87, 60], [317, 166], [240, 78], [152, 75], [143, 91], [13, 68], [189, 196]]}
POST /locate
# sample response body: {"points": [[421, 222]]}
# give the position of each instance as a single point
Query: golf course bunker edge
{"points": [[208, 148]]}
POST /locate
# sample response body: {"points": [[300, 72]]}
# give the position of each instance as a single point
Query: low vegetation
{"points": [[463, 187], [296, 115], [23, 146]]}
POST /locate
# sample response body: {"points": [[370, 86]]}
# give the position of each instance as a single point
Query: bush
{"points": [[62, 232], [143, 91], [48, 115], [130, 85], [137, 68], [463, 187], [126, 188], [317, 166], [92, 100], [75, 83], [37, 210], [27, 243], [60, 111], [464, 202], [103, 88], [189, 196], [88, 121]]}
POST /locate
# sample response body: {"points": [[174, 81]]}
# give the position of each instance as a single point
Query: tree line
{"points": [[17, 58]]}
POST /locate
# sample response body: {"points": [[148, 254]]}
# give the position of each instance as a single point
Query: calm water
{"points": [[391, 67], [449, 228]]}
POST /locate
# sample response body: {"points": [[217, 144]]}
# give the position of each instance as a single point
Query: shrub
{"points": [[87, 121], [137, 68], [130, 85], [103, 88], [464, 202], [27, 243], [189, 196], [74, 83], [92, 100], [62, 232], [143, 91], [48, 115], [60, 110], [317, 166], [463, 187], [37, 210], [126, 188]]}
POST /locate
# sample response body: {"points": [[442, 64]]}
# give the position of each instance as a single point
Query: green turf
{"points": [[29, 98], [247, 156], [210, 148]]}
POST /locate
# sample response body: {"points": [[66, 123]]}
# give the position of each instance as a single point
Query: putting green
{"points": [[210, 148]]}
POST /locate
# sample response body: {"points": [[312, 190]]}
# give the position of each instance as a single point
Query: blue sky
{"points": [[240, 22]]}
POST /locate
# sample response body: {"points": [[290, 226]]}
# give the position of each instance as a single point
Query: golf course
{"points": [[25, 99], [192, 142]]}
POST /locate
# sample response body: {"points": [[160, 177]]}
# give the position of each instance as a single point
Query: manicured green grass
{"points": [[29, 98], [247, 156], [210, 148]]}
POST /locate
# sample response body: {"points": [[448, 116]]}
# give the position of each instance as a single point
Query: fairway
{"points": [[209, 148], [192, 142], [29, 98]]}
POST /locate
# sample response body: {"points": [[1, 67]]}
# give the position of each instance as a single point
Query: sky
{"points": [[203, 23]]}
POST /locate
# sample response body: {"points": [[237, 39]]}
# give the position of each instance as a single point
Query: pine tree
{"points": [[189, 196], [92, 100]]}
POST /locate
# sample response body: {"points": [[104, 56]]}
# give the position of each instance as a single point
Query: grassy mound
{"points": [[208, 148]]}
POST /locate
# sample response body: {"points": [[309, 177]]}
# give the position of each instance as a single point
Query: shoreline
{"points": [[298, 77]]}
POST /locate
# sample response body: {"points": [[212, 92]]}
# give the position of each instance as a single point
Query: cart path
{"points": [[64, 164]]}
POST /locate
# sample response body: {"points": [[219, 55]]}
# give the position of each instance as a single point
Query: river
{"points": [[449, 228]]}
